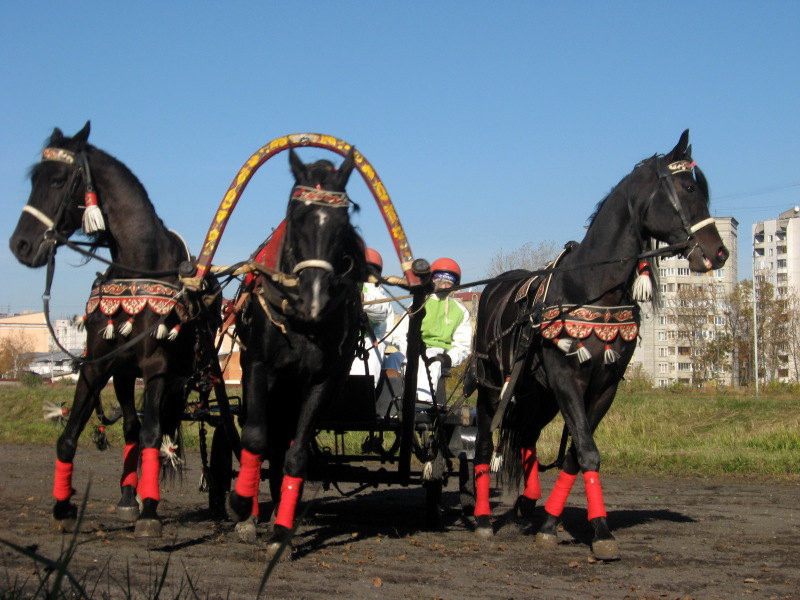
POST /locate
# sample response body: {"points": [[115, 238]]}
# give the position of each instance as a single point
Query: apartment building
{"points": [[673, 346], [776, 251]]}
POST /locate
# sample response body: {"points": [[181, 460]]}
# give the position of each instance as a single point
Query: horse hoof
{"points": [[127, 513], [67, 525], [546, 540], [246, 530], [147, 528], [280, 549], [605, 550], [483, 526]]}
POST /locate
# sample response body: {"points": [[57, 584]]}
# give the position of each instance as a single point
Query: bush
{"points": [[636, 379], [30, 379]]}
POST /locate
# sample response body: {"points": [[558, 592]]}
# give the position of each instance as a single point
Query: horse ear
{"points": [[83, 135], [298, 167], [346, 168], [679, 151], [56, 137]]}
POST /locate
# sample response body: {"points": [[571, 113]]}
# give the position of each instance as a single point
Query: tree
{"points": [[13, 350], [528, 256]]}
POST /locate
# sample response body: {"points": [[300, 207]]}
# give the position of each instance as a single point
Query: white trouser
{"points": [[374, 362], [434, 371]]}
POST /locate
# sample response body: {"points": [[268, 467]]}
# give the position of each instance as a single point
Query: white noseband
{"points": [[314, 262]]}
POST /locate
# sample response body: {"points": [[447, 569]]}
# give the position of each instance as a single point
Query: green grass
{"points": [[699, 433]]}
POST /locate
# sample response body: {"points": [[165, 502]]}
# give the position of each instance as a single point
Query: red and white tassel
{"points": [[173, 333], [92, 215], [582, 353], [126, 328], [161, 332], [169, 452], [563, 344], [80, 322], [57, 413], [496, 462], [108, 332], [643, 285], [610, 355]]}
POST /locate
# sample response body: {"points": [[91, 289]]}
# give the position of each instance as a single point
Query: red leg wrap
{"points": [[531, 467], [482, 483], [255, 510], [594, 495], [249, 475], [558, 497], [290, 494], [130, 462], [148, 483], [62, 481]]}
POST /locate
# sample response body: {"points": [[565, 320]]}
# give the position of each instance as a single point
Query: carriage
{"points": [[403, 443]]}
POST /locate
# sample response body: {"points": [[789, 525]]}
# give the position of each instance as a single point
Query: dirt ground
{"points": [[679, 538]]}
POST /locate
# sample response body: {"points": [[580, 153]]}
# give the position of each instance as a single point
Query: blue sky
{"points": [[492, 124]]}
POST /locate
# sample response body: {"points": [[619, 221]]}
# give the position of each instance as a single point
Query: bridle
{"points": [[665, 171], [80, 164], [326, 199]]}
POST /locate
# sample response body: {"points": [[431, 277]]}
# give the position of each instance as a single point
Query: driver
{"points": [[446, 329]]}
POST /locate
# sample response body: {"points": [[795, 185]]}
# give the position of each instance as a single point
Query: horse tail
{"points": [[172, 447], [511, 440]]}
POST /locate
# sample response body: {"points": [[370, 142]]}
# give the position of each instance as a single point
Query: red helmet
{"points": [[373, 257], [448, 265]]}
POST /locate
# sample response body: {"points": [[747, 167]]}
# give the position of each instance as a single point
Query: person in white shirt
{"points": [[380, 317]]}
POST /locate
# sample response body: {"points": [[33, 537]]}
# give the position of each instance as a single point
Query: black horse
{"points": [[562, 342], [298, 340], [73, 178]]}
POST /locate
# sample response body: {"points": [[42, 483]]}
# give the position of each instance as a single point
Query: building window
{"points": [[719, 321], [684, 366], [662, 336]]}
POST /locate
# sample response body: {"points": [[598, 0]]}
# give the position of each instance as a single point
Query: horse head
{"points": [[677, 210], [321, 246], [56, 203]]}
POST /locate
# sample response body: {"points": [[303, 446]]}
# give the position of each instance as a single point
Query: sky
{"points": [[491, 124]]}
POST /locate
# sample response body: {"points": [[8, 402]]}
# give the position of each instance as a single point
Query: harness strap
{"points": [[47, 221], [701, 224]]}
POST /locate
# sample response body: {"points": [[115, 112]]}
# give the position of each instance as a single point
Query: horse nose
{"points": [[20, 247], [722, 255]]}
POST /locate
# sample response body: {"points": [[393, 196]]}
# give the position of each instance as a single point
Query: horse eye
{"points": [[58, 182], [690, 188]]}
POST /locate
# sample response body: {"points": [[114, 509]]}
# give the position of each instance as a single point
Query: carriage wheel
{"points": [[433, 504], [466, 486], [220, 474]]}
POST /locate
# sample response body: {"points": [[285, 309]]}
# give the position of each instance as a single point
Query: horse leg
{"points": [[483, 453], [295, 465], [604, 546], [128, 507], [584, 456], [547, 535], [149, 523], [244, 496], [86, 396]]}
